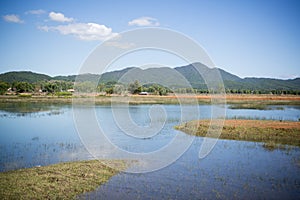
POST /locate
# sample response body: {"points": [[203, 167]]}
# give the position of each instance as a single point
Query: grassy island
{"points": [[58, 181], [272, 133]]}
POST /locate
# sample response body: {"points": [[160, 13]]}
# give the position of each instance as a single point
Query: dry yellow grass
{"points": [[267, 131], [169, 99]]}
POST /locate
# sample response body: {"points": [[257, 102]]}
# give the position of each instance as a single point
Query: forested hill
{"points": [[153, 75], [23, 76]]}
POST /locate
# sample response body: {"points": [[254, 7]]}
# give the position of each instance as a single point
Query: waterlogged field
{"points": [[33, 134]]}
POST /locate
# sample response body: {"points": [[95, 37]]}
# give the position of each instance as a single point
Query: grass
{"points": [[64, 94], [237, 101], [254, 106], [58, 181], [272, 133], [25, 95], [262, 105]]}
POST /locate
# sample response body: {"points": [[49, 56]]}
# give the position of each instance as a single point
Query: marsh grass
{"points": [[25, 95], [257, 106], [63, 94], [271, 145], [58, 181], [269, 132], [244, 101], [253, 106]]}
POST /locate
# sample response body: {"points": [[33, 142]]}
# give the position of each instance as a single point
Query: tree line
{"points": [[113, 87], [39, 87], [59, 87]]}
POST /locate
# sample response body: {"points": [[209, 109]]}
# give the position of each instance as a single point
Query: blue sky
{"points": [[246, 38]]}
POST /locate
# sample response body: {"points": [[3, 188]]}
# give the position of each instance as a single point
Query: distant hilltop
{"points": [[232, 83]]}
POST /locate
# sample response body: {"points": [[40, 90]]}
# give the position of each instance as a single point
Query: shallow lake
{"points": [[42, 134]]}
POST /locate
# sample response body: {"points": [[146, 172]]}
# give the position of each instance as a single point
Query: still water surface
{"points": [[40, 134]]}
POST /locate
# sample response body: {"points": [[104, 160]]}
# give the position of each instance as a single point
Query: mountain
{"points": [[23, 76], [179, 77], [65, 78], [192, 75], [267, 83]]}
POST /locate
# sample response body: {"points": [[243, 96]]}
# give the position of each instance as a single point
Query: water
{"points": [[43, 134]]}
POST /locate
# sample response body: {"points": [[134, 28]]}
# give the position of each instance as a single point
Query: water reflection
{"points": [[24, 155], [34, 134], [234, 170], [21, 109]]}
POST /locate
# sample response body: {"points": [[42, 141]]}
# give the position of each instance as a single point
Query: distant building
{"points": [[70, 90], [143, 93]]}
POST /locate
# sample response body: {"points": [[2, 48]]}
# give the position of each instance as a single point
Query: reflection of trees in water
{"points": [[29, 108]]}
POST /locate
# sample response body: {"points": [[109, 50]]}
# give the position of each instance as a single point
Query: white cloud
{"points": [[83, 31], [144, 21], [59, 17], [12, 18], [36, 12]]}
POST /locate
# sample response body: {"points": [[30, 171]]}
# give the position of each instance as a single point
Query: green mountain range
{"points": [[180, 77]]}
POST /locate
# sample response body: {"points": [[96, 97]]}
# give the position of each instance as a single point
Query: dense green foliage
{"points": [[3, 87], [21, 87], [23, 76], [135, 88], [55, 86], [153, 80], [85, 87]]}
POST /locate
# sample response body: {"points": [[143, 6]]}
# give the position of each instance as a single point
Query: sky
{"points": [[258, 38]]}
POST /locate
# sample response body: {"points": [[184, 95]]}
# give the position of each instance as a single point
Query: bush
{"points": [[3, 87], [21, 87]]}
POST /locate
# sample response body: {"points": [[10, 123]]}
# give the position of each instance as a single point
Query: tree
{"points": [[101, 87], [118, 89], [51, 87], [85, 87], [3, 87], [21, 87], [109, 90], [135, 87], [162, 91], [65, 85]]}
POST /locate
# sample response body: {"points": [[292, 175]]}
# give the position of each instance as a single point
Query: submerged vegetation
{"points": [[267, 131], [58, 181]]}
